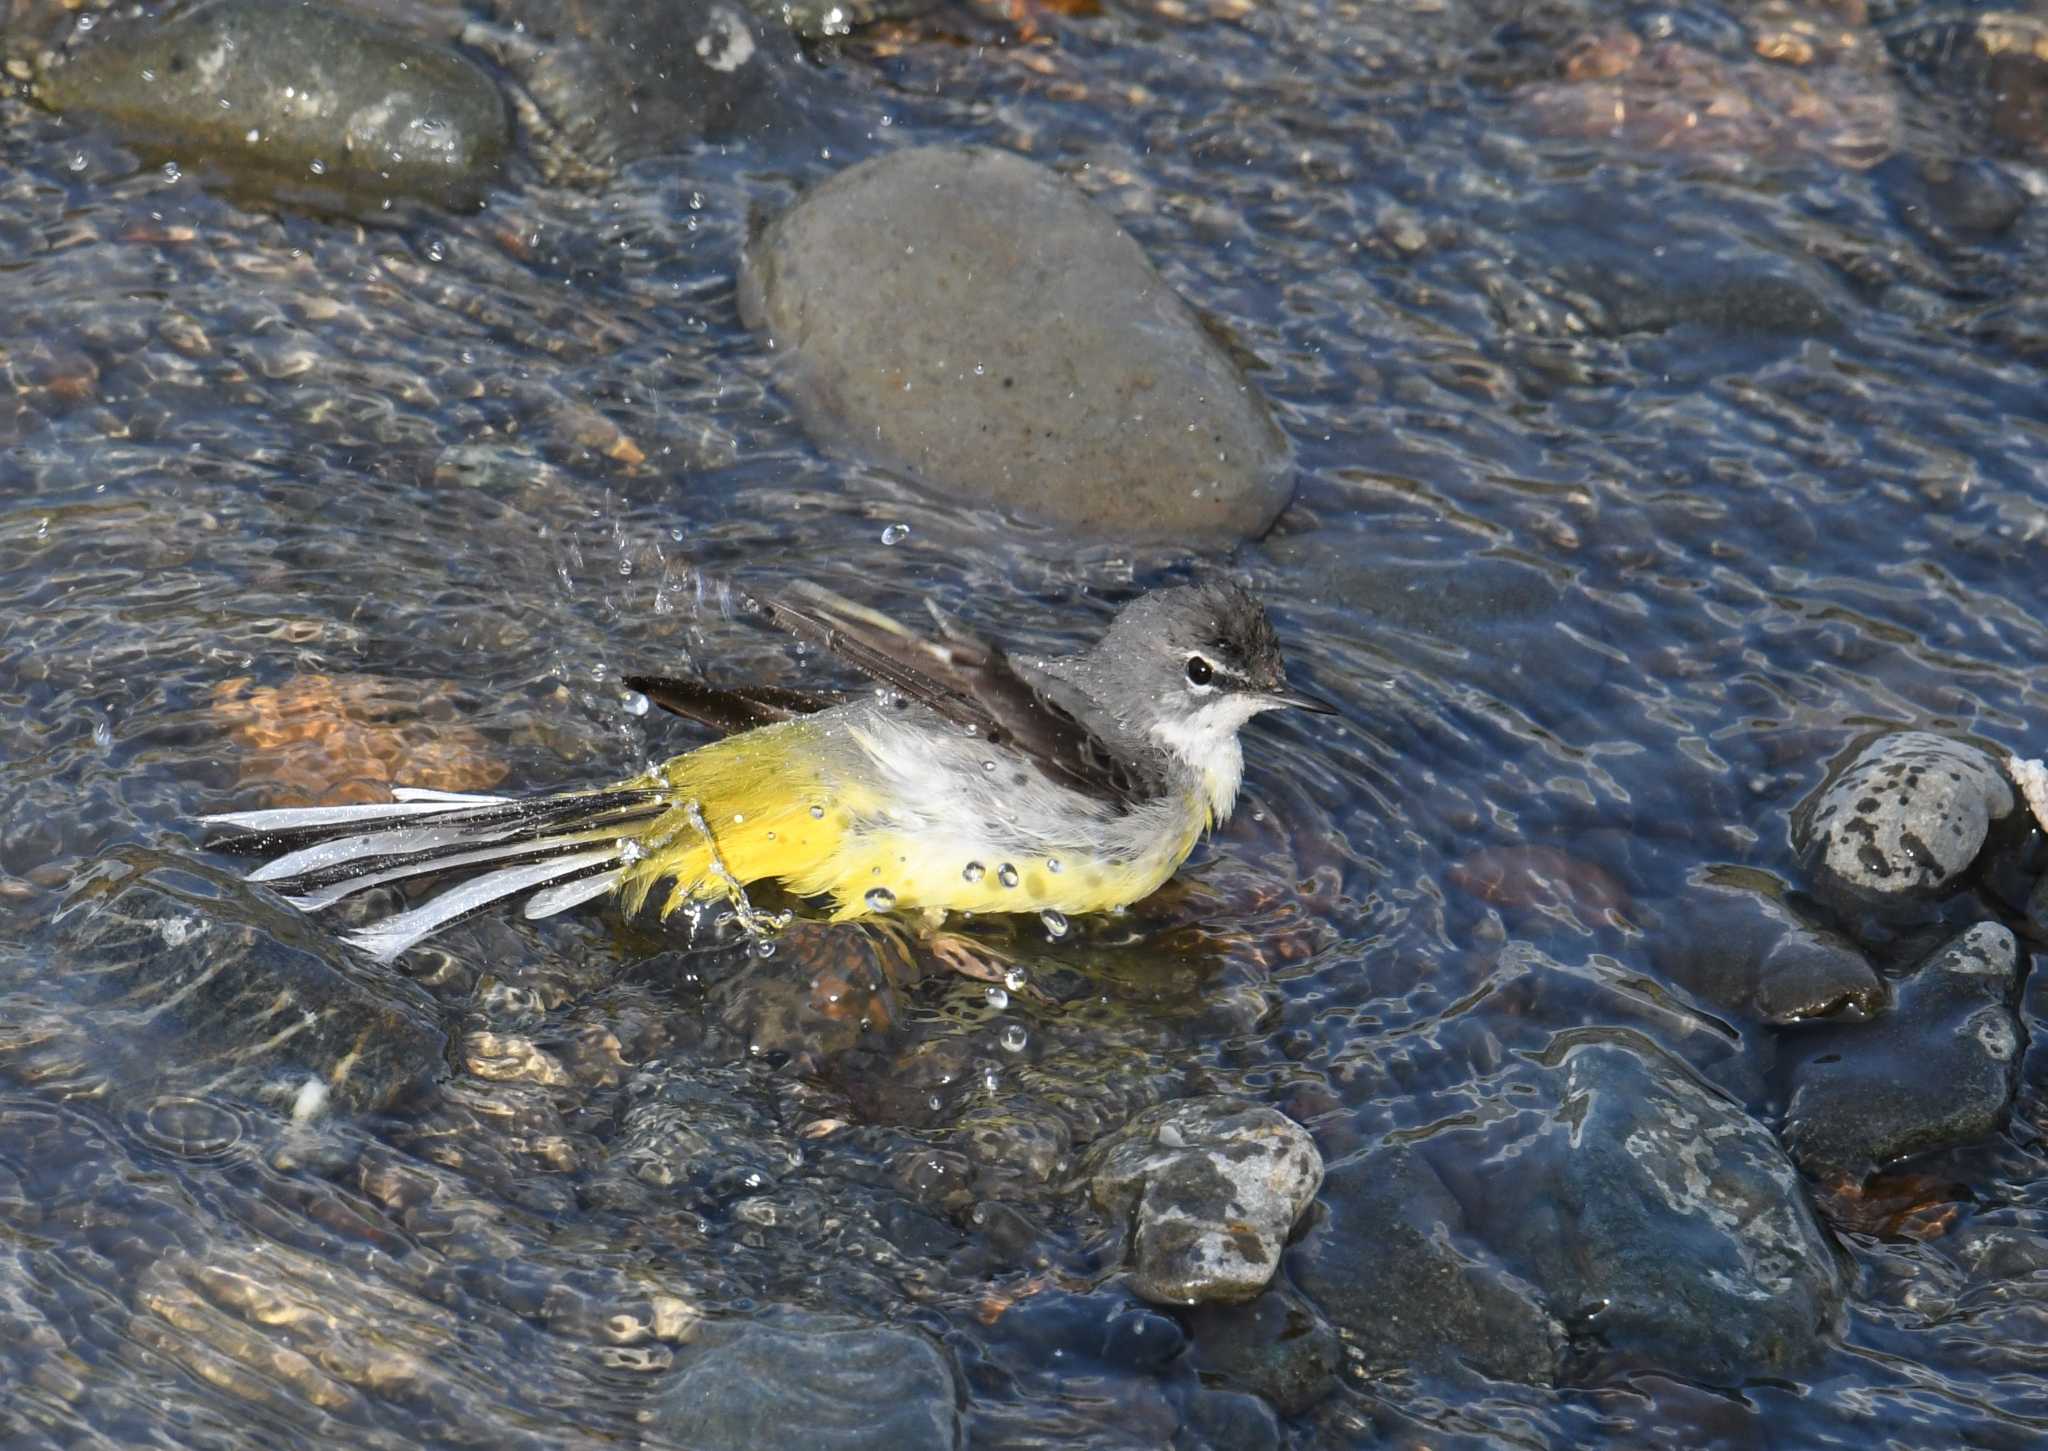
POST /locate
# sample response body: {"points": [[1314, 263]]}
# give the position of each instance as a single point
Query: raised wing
{"points": [[968, 682], [730, 710]]}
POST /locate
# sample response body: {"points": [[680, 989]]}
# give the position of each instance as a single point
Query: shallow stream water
{"points": [[1637, 477]]}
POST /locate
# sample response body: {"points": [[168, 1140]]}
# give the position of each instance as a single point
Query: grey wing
{"points": [[971, 683], [729, 709]]}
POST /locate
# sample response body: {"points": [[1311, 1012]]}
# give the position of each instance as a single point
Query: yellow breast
{"points": [[778, 809]]}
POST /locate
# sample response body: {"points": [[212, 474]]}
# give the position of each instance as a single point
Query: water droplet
{"points": [[1015, 979], [817, 813], [895, 533], [1052, 864], [988, 765], [991, 1080], [880, 899], [1013, 1038], [973, 872], [997, 998], [1007, 875], [764, 948], [971, 728], [630, 852], [738, 819], [636, 703], [1055, 923]]}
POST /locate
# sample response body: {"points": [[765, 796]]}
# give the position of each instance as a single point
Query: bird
{"points": [[967, 780]]}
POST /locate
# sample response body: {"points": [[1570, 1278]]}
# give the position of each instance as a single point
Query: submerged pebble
{"points": [[848, 1385], [1938, 1070]]}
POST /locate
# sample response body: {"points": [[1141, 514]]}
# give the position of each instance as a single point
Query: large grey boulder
{"points": [[967, 318]]}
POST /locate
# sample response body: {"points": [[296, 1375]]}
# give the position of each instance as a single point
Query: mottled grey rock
{"points": [[1392, 1263], [1734, 941], [1901, 819], [823, 1382], [1938, 1070], [1275, 1346], [966, 317], [607, 82], [1665, 1222], [1212, 1186], [305, 93], [192, 977]]}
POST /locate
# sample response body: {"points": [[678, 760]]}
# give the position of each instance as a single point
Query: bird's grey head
{"points": [[1181, 671]]}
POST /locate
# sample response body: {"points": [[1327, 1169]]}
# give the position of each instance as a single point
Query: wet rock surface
{"points": [[1663, 1223], [1276, 1347], [1901, 819], [969, 318], [312, 96], [845, 1384], [1938, 1070], [1212, 1187], [1737, 943], [1394, 1264]]}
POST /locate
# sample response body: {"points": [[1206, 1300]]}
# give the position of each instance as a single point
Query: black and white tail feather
{"points": [[563, 849]]}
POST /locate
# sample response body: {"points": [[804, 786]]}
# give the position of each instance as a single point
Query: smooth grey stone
{"points": [[967, 318], [1666, 1223], [1940, 1069], [1212, 1186], [1391, 1262], [1735, 942], [826, 1383], [280, 88], [1276, 1346], [1901, 819]]}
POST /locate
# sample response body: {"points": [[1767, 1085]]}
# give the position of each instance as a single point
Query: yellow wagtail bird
{"points": [[971, 782]]}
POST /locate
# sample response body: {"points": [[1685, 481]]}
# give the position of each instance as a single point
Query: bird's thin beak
{"points": [[1300, 702]]}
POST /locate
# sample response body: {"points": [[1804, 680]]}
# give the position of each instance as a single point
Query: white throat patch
{"points": [[1207, 741]]}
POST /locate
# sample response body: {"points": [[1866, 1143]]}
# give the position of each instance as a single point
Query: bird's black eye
{"points": [[1200, 671]]}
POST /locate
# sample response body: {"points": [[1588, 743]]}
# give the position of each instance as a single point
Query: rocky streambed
{"points": [[1617, 1028]]}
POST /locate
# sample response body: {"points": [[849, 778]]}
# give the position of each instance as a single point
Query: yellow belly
{"points": [[776, 812]]}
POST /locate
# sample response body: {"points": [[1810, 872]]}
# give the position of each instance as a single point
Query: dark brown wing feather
{"points": [[728, 710], [972, 684]]}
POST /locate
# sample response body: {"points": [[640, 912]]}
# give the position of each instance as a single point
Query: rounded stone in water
{"points": [[1116, 413], [278, 88], [1902, 818]]}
